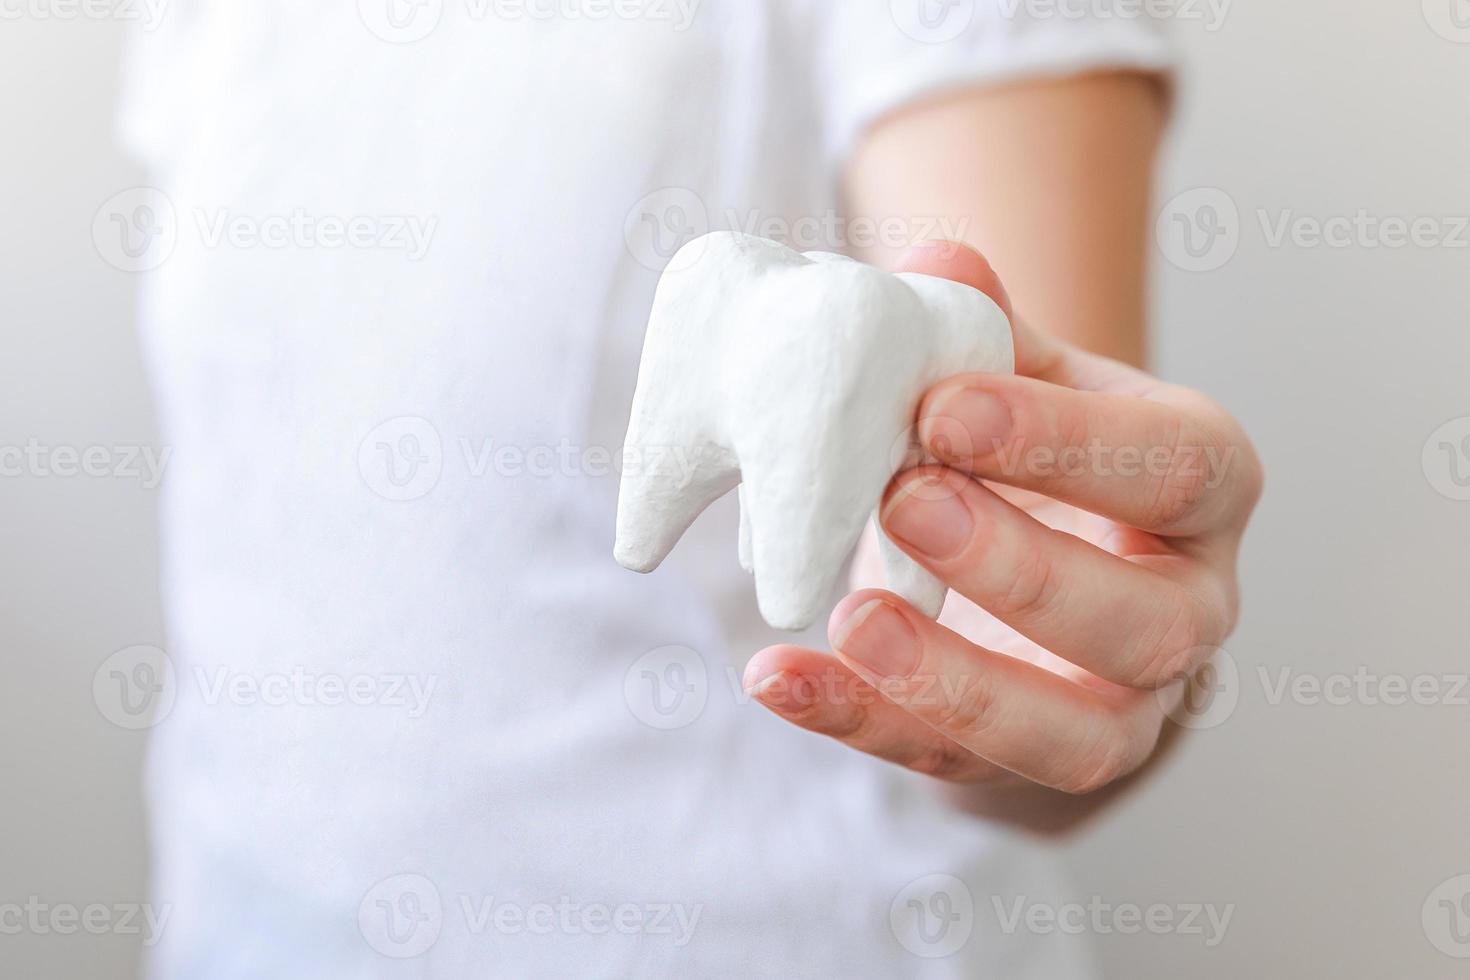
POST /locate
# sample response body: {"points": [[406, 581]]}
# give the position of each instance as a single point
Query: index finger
{"points": [[1150, 455], [1037, 355], [1171, 463]]}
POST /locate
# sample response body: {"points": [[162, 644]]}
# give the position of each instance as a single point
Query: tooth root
{"points": [[663, 490], [747, 554], [799, 539], [908, 578]]}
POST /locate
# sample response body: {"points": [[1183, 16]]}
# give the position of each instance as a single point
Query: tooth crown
{"points": [[797, 377]]}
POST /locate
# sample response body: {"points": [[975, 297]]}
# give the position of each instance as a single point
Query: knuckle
{"points": [[1177, 496], [1220, 454], [1173, 647], [1177, 492], [803, 704], [974, 714], [804, 712], [1074, 428], [1105, 761], [854, 725], [1075, 423], [943, 759], [1032, 589]]}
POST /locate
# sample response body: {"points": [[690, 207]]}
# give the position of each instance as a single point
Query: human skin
{"points": [[1086, 515]]}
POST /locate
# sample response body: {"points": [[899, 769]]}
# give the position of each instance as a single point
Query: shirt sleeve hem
{"points": [[899, 87]]}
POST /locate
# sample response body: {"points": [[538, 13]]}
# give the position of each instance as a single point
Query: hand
{"points": [[1088, 518]]}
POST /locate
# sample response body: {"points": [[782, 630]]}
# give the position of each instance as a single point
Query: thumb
{"points": [[957, 262], [1037, 355]]}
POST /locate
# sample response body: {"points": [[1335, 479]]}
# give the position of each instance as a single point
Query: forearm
{"points": [[1050, 180]]}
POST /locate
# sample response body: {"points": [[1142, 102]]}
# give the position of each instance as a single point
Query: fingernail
{"points": [[936, 526], [764, 684], [985, 419], [878, 637], [774, 691]]}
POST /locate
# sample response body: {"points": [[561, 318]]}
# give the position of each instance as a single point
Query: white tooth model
{"points": [[796, 376]]}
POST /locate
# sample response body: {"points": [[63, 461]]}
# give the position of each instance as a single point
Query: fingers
{"points": [[1037, 355], [957, 262], [817, 692], [1171, 464], [1120, 620], [1016, 715]]}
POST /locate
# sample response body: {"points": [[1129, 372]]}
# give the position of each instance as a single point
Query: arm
{"points": [[1083, 595], [1051, 181]]}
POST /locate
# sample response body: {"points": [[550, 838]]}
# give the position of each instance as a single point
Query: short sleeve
{"points": [[875, 56], [172, 74]]}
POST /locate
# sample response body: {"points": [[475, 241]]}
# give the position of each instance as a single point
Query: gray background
{"points": [[1327, 826]]}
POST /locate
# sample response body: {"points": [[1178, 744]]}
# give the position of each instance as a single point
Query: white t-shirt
{"points": [[423, 725]]}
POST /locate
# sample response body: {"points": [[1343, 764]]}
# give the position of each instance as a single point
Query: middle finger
{"points": [[1133, 625]]}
